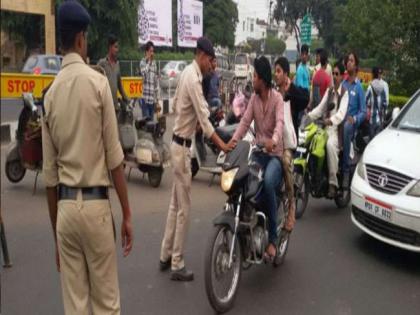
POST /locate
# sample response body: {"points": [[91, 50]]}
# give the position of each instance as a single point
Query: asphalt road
{"points": [[331, 267]]}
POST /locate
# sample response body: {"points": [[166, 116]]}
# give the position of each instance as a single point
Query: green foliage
{"points": [[220, 18], [274, 46], [397, 101]]}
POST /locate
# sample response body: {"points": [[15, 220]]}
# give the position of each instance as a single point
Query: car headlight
{"points": [[415, 190], [361, 170], [227, 179]]}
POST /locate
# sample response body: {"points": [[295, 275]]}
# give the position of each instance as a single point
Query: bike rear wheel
{"points": [[301, 194], [222, 280]]}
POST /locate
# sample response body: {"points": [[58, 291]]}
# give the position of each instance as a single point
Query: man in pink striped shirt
{"points": [[265, 108]]}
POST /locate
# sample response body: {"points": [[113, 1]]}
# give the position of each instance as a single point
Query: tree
{"points": [[274, 46], [220, 19]]}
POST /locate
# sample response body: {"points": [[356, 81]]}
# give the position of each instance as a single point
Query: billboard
{"points": [[155, 22], [190, 22]]}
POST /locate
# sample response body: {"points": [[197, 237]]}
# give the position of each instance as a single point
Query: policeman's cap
{"points": [[205, 45], [72, 16]]}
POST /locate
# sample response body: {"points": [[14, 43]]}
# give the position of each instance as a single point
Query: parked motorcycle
{"points": [[25, 153], [240, 234], [142, 143], [311, 168]]}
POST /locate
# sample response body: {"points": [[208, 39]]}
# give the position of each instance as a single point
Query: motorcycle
{"points": [[142, 143], [311, 168], [240, 233], [25, 153]]}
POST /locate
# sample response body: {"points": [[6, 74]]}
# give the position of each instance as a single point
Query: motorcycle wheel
{"points": [[302, 197], [15, 171], [283, 242], [194, 167], [154, 174], [343, 199], [221, 281]]}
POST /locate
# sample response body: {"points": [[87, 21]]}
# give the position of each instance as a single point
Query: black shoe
{"points": [[346, 180], [331, 191], [182, 275], [165, 265]]}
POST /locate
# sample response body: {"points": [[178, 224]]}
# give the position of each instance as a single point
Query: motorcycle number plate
{"points": [[301, 150], [144, 156]]}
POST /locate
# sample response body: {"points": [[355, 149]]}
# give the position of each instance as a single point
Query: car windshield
{"points": [[409, 119], [52, 63], [30, 63], [240, 60]]}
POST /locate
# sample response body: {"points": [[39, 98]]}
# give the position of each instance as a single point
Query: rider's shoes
{"points": [[331, 191], [165, 265], [346, 180], [291, 220], [182, 275], [269, 256]]}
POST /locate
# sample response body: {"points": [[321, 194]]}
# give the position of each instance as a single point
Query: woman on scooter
{"points": [[265, 108]]}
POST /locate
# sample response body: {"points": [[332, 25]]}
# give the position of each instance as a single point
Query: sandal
{"points": [[267, 256]]}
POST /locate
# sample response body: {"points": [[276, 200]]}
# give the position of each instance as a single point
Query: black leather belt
{"points": [[88, 193], [181, 141]]}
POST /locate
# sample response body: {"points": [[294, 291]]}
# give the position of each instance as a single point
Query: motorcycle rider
{"points": [[356, 111], [211, 84], [266, 108], [112, 69], [333, 117], [281, 76]]}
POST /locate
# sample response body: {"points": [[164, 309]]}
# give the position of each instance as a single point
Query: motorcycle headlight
{"points": [[227, 179], [144, 156], [415, 190], [302, 137], [361, 170]]}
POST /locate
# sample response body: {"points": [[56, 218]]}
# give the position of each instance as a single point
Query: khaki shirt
{"points": [[79, 130], [189, 104]]}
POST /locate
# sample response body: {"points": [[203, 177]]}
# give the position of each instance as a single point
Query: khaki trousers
{"points": [[287, 161], [179, 207], [86, 245]]}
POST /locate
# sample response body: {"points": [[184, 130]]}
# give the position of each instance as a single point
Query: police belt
{"points": [[88, 193], [181, 141]]}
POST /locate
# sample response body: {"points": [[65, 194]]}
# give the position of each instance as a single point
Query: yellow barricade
{"points": [[14, 84]]}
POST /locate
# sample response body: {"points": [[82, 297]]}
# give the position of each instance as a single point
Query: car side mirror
{"points": [[395, 112]]}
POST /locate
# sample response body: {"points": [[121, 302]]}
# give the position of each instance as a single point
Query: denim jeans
{"points": [[147, 109], [348, 135], [273, 175], [215, 102]]}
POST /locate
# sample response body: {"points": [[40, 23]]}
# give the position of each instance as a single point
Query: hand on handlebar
{"points": [[232, 144]]}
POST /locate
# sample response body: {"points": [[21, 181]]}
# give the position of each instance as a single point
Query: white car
{"points": [[385, 190], [244, 68]]}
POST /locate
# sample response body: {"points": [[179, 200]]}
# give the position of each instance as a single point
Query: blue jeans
{"points": [[273, 176], [348, 135], [147, 109]]}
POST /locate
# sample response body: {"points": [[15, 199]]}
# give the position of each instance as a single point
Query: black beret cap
{"points": [[72, 16], [206, 45]]}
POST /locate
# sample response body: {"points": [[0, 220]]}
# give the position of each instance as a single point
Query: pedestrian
{"points": [[266, 109], [190, 108], [283, 82], [302, 78], [211, 86], [333, 117], [318, 66], [356, 112], [386, 86], [111, 66], [321, 80], [80, 144], [148, 70], [376, 103]]}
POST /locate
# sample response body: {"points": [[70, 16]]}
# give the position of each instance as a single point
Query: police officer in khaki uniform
{"points": [[80, 144], [190, 107]]}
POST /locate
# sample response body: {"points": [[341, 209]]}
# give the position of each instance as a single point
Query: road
{"points": [[331, 267]]}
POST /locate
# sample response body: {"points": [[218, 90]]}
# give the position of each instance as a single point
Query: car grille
{"points": [[386, 229], [394, 182]]}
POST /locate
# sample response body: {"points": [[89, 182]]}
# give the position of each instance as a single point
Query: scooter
{"points": [[142, 143], [25, 153], [239, 236]]}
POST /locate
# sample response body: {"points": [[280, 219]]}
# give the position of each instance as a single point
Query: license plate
{"points": [[144, 156], [301, 150], [378, 209]]}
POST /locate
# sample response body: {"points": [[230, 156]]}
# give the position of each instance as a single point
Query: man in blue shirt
{"points": [[356, 111], [302, 78], [211, 85]]}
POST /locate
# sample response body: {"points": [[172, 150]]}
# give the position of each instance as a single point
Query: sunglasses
{"points": [[336, 73]]}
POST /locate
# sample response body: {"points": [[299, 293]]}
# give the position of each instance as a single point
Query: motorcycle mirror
{"points": [[395, 112]]}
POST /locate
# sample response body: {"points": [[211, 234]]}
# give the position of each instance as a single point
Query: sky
{"points": [[257, 7]]}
